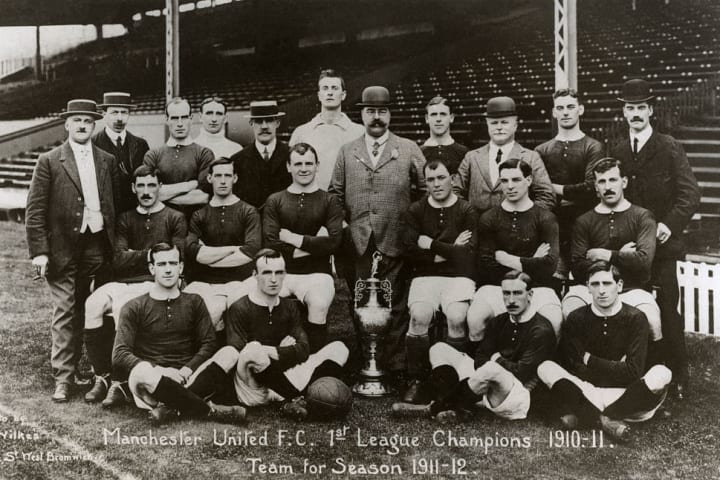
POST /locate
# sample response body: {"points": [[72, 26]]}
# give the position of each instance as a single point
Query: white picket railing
{"points": [[700, 297]]}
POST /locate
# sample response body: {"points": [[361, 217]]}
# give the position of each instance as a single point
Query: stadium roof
{"points": [[18, 13]]}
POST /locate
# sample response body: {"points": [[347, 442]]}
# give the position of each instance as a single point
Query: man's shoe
{"points": [[226, 414], [411, 410], [98, 391], [295, 409], [570, 421], [83, 380], [415, 393], [616, 429], [162, 414], [62, 393], [116, 395], [447, 417]]}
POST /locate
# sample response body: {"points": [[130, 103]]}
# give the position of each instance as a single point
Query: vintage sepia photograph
{"points": [[333, 239]]}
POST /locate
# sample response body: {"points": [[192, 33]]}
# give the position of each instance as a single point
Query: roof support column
{"points": [[172, 49], [565, 44], [38, 56]]}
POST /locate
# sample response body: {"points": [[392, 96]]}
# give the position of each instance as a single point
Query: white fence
{"points": [[700, 297]]}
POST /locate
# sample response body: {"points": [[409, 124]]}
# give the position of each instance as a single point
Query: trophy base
{"points": [[372, 388]]}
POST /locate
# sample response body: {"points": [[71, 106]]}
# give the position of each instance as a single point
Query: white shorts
{"points": [[516, 404], [638, 298], [301, 285], [492, 296], [228, 293], [440, 292]]}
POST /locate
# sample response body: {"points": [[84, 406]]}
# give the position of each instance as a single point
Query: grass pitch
{"points": [[43, 440]]}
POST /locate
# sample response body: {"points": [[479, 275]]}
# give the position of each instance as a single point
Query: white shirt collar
{"points": [[642, 137], [342, 121], [112, 135], [270, 147], [312, 188], [370, 140], [173, 142], [216, 137], [506, 149], [621, 207], [79, 147]]}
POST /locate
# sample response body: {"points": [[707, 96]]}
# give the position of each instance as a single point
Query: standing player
{"points": [[136, 232], [330, 129], [268, 348], [213, 115], [661, 180], [441, 145], [569, 159], [603, 379], [515, 235], [163, 337], [223, 237], [502, 371], [304, 223], [440, 238]]}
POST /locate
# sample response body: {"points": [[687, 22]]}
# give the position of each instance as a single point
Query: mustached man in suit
{"points": [[70, 223], [127, 148]]}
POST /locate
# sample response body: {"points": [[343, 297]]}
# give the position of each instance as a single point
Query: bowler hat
{"points": [[636, 90], [81, 107], [375, 96], [116, 99], [264, 109], [500, 107]]}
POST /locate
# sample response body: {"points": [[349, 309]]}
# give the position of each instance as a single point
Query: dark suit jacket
{"points": [[258, 179], [660, 179], [55, 204], [375, 198], [137, 147]]}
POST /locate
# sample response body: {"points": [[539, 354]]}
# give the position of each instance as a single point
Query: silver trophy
{"points": [[374, 319]]}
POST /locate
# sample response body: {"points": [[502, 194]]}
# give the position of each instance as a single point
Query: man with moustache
{"points": [[515, 235], [182, 164], [660, 179], [261, 167], [478, 172], [330, 129], [128, 149], [223, 237], [569, 159], [304, 223], [441, 145], [603, 380], [618, 232], [500, 373], [164, 337], [213, 114], [440, 241], [376, 177], [70, 225], [136, 232]]}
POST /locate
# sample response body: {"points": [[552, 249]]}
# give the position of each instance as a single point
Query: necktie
{"points": [[498, 159], [375, 149], [635, 146], [266, 155], [118, 143]]}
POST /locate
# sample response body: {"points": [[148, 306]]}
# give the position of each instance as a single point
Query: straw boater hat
{"points": [[116, 99], [81, 107], [498, 107], [375, 96], [636, 90], [264, 109]]}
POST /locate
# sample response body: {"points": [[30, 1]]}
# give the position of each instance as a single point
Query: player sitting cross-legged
{"points": [[501, 372], [267, 348]]}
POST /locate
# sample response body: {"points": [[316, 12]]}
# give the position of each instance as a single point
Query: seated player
{"points": [[136, 231], [603, 379], [515, 235], [502, 372], [620, 233], [304, 223], [440, 243], [268, 348], [223, 236], [163, 337]]}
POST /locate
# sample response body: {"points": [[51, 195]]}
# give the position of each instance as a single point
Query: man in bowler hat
{"points": [[70, 224], [660, 179], [376, 177], [128, 149], [478, 172]]}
